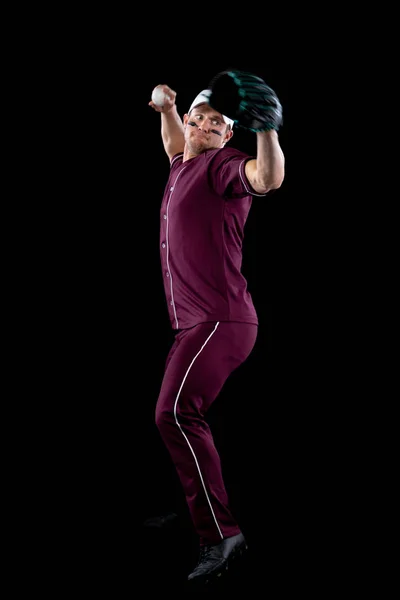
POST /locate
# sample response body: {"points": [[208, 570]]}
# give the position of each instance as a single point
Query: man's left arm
{"points": [[267, 171]]}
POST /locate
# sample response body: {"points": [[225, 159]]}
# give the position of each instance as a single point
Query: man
{"points": [[203, 213]]}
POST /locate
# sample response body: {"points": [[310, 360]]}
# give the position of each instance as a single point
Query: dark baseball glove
{"points": [[246, 99]]}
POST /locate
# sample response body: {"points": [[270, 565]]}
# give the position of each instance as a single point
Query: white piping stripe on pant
{"points": [[188, 443]]}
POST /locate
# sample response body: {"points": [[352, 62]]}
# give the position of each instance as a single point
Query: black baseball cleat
{"points": [[215, 559], [166, 521]]}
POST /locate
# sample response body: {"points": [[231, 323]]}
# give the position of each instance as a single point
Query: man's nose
{"points": [[204, 125]]}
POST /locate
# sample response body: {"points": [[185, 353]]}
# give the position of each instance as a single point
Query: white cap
{"points": [[204, 96]]}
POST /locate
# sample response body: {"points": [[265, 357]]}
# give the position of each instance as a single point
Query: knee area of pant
{"points": [[164, 417]]}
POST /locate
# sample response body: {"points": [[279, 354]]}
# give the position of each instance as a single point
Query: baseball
{"points": [[158, 96]]}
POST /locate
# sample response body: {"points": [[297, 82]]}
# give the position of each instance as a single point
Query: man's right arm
{"points": [[172, 132]]}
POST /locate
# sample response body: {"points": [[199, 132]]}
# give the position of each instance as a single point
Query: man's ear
{"points": [[228, 136]]}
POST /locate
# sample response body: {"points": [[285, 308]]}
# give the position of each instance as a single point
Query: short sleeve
{"points": [[227, 174]]}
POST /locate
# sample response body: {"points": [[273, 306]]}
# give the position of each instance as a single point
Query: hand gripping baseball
{"points": [[247, 99], [162, 98]]}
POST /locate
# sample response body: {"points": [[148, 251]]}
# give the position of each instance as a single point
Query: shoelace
{"points": [[204, 553]]}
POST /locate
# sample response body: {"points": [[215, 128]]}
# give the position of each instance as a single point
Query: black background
{"points": [[105, 334]]}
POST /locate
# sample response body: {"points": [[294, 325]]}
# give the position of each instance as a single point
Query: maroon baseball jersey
{"points": [[203, 213]]}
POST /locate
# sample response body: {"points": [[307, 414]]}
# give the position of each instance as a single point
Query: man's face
{"points": [[205, 129]]}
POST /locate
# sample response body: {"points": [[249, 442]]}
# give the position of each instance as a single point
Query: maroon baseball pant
{"points": [[197, 366]]}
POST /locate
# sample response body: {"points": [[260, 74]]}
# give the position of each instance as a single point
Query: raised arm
{"points": [[172, 133], [267, 171], [256, 108]]}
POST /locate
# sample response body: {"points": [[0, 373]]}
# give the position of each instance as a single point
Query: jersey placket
{"points": [[168, 271]]}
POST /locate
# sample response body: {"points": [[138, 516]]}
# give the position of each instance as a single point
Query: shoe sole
{"points": [[164, 522]]}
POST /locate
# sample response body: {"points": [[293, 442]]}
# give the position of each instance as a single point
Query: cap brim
{"points": [[204, 97]]}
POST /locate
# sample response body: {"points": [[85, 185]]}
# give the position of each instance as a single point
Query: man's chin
{"points": [[199, 146]]}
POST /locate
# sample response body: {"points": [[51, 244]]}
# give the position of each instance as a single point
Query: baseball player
{"points": [[204, 209]]}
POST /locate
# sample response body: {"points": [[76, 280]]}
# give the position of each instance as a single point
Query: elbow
{"points": [[273, 184], [277, 175], [278, 178], [277, 182]]}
